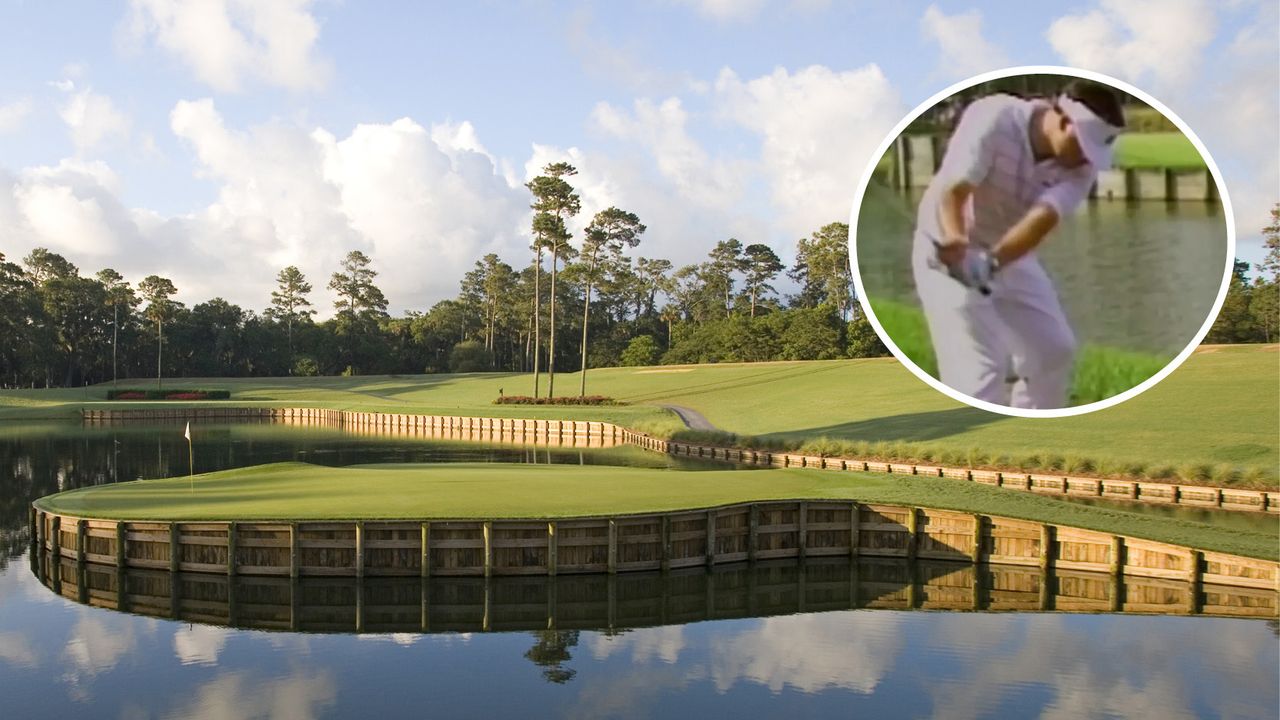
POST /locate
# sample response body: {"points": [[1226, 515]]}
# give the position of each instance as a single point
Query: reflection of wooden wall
{"points": [[577, 433], [389, 604], [656, 541]]}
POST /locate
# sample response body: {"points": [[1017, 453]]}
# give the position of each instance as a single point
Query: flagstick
{"points": [[191, 459]]}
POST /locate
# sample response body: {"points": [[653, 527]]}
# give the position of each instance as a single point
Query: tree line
{"points": [[1251, 310], [566, 305]]}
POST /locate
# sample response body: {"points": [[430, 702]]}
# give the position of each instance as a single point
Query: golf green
{"points": [[298, 491]]}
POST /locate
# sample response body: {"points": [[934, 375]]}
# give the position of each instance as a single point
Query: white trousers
{"points": [[1018, 331]]}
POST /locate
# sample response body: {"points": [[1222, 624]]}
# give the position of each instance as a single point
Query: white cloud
{"points": [[728, 10], [964, 51], [13, 114], [1163, 47], [226, 42], [70, 208], [819, 129], [93, 119], [661, 129], [1163, 39]]}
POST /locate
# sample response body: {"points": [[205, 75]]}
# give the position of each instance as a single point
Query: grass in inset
{"points": [[1157, 150], [1100, 372]]}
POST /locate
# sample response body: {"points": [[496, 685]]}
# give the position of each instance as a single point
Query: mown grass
{"points": [[1221, 409], [298, 491], [1100, 372], [1157, 150]]}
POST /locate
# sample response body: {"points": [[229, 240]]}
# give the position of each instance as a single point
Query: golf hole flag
{"points": [[187, 433]]}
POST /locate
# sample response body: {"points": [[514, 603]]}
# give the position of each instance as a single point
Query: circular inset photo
{"points": [[1041, 241]]}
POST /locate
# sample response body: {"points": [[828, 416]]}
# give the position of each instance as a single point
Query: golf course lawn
{"points": [[1157, 150], [298, 491], [1214, 418]]}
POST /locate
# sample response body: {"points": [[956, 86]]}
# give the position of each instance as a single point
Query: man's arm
{"points": [[955, 236], [1026, 234]]}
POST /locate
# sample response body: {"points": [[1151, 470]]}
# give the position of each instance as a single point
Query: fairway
{"points": [[298, 491], [1214, 418]]}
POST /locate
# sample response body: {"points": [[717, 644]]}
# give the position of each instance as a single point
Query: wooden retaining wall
{"points": [[654, 541], [463, 604], [916, 158], [578, 433]]}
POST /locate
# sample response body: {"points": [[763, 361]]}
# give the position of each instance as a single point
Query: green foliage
{"points": [[469, 356], [863, 340], [167, 394], [306, 366], [642, 350]]}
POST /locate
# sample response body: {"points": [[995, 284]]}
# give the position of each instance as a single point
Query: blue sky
{"points": [[215, 141]]}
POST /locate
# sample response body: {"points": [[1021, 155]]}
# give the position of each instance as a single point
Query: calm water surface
{"points": [[1133, 275], [796, 653]]}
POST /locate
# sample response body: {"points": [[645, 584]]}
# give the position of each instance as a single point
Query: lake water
{"points": [[1132, 275], [867, 639]]}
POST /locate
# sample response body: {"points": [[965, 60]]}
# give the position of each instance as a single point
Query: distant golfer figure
{"points": [[1013, 168]]}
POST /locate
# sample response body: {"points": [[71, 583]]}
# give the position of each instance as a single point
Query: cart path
{"points": [[692, 419]]}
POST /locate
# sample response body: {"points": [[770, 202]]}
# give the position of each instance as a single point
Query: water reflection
{"points": [[822, 638], [548, 605]]}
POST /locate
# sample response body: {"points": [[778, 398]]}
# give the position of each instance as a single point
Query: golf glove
{"points": [[974, 270]]}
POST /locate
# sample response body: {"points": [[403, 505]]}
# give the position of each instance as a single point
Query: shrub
{"points": [[171, 394], [470, 356], [306, 366], [642, 350]]}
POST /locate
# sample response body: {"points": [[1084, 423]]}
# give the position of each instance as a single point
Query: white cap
{"points": [[1097, 136]]}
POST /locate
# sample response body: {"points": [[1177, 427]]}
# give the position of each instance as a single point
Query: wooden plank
{"points": [[855, 539], [613, 548], [175, 548], [231, 548], [424, 567], [553, 546]]}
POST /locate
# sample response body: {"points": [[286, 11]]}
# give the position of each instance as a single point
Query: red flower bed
{"points": [[186, 396], [559, 400], [131, 396]]}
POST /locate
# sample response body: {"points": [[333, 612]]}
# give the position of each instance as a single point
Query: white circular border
{"points": [[1046, 412]]}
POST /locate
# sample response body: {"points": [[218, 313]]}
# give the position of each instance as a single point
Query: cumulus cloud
{"points": [[964, 51], [93, 119], [818, 130], [1163, 47], [71, 207], [423, 202], [14, 114], [228, 42], [1136, 38], [661, 129]]}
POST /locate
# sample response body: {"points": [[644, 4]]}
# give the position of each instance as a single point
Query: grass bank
{"points": [[1216, 417], [298, 491]]}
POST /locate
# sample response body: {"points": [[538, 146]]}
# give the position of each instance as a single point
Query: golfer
{"points": [[1013, 169]]}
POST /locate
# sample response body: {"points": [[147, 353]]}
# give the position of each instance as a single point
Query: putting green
{"points": [[298, 491]]}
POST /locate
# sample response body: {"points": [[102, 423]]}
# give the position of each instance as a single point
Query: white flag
{"points": [[187, 433]]}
